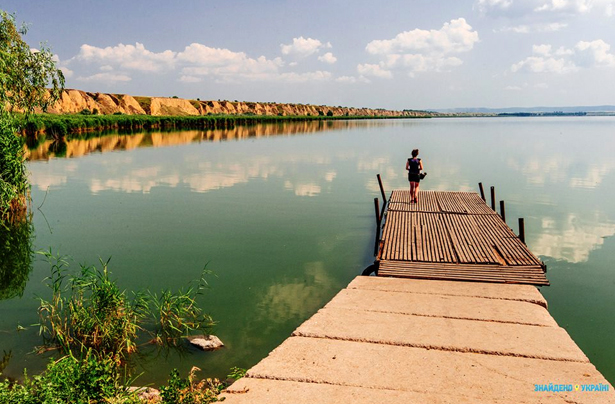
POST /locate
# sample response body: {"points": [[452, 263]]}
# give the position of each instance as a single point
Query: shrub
{"points": [[13, 177], [71, 380], [189, 391]]}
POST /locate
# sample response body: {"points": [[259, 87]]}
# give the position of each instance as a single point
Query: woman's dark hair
{"points": [[415, 152]]}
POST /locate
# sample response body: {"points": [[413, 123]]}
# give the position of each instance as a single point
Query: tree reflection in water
{"points": [[15, 256]]}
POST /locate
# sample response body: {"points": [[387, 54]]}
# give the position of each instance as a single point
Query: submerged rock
{"points": [[147, 394], [206, 343]]}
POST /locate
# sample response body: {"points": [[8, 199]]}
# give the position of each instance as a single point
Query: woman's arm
{"points": [[421, 164], [407, 164]]}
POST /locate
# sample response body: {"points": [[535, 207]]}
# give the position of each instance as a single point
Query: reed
{"points": [[88, 312], [79, 125]]}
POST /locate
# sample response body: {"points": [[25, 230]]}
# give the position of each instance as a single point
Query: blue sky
{"points": [[415, 54]]}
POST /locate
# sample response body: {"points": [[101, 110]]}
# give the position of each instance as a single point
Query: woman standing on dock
{"points": [[414, 166]]}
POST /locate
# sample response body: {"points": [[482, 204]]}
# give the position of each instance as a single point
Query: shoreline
{"points": [[71, 126]]}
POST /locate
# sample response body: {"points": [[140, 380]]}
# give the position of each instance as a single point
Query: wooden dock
{"points": [[452, 236]]}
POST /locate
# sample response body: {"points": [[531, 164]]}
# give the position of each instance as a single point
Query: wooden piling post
{"points": [[502, 211], [482, 191], [384, 198], [378, 223], [493, 198], [522, 230]]}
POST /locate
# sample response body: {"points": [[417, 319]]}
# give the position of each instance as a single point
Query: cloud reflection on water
{"points": [[571, 238]]}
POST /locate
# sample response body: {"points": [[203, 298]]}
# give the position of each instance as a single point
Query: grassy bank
{"points": [[68, 126]]}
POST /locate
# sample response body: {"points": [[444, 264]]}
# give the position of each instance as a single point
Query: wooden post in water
{"points": [[522, 230], [493, 198], [378, 222], [502, 211], [482, 191], [384, 198]]}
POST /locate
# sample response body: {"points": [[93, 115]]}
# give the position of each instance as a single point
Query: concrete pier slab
{"points": [[409, 369], [415, 341], [250, 391], [524, 293], [442, 305], [442, 333]]}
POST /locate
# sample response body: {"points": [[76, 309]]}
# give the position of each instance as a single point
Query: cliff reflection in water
{"points": [[15, 257], [110, 142]]}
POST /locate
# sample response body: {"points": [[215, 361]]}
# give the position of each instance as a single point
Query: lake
{"points": [[283, 215]]}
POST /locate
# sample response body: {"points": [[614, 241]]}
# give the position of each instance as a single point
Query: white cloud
{"points": [[570, 6], [541, 49], [544, 8], [130, 57], [582, 55], [68, 73], [346, 79], [303, 47], [328, 58], [190, 79], [539, 64], [421, 50], [454, 37], [485, 6], [595, 53], [106, 77], [512, 88], [304, 77], [374, 70], [191, 65], [201, 60]]}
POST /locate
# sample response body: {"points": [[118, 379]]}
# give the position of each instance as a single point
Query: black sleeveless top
{"points": [[414, 166]]}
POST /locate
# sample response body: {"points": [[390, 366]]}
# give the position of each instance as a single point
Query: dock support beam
{"points": [[522, 230], [502, 211], [384, 198], [482, 191], [378, 223], [493, 198]]}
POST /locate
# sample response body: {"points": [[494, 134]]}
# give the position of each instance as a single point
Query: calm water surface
{"points": [[284, 217]]}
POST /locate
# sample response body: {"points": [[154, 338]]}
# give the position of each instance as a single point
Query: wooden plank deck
{"points": [[453, 236]]}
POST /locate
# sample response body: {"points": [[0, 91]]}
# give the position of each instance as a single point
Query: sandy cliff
{"points": [[75, 101]]}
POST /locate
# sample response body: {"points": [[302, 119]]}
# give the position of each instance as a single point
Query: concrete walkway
{"points": [[386, 340]]}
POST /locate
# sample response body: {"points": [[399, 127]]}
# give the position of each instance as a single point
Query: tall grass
{"points": [[88, 312], [70, 126]]}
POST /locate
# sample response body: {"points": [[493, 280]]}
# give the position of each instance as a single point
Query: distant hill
{"points": [[512, 110]]}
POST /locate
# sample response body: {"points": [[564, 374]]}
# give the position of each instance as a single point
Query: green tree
{"points": [[25, 75]]}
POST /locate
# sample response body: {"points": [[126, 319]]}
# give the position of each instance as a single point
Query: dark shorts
{"points": [[414, 177]]}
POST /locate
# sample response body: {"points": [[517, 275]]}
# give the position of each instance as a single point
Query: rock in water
{"points": [[206, 343], [147, 394]]}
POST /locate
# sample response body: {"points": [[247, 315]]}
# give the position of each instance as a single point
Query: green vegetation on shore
{"points": [[70, 126], [24, 76]]}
